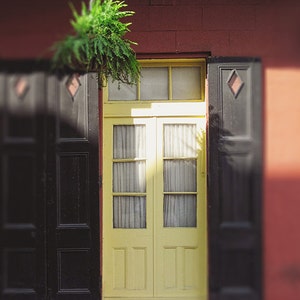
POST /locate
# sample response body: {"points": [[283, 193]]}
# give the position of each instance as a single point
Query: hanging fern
{"points": [[99, 44]]}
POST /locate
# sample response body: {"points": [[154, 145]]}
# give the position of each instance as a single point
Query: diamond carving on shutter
{"points": [[235, 82], [21, 87], [73, 84]]}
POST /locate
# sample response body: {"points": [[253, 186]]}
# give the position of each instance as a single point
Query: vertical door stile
{"points": [[157, 198], [151, 190], [151, 169]]}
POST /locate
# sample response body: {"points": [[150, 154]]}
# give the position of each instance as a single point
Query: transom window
{"points": [[163, 80]]}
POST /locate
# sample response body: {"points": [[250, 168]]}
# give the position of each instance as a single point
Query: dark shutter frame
{"points": [[235, 178]]}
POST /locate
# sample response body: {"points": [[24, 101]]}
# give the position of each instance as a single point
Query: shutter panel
{"points": [[235, 174], [22, 200], [73, 191]]}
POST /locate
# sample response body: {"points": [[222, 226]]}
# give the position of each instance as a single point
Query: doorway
{"points": [[154, 184]]}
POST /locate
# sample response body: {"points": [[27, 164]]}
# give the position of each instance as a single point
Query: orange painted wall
{"points": [[269, 29]]}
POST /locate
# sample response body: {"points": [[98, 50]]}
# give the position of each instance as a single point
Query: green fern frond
{"points": [[99, 44]]}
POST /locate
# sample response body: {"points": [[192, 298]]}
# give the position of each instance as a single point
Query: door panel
{"points": [[166, 258]]}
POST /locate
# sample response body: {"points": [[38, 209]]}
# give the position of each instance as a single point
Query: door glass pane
{"points": [[129, 212], [180, 175], [129, 141], [129, 176], [186, 83], [154, 84], [180, 140], [180, 211], [121, 91]]}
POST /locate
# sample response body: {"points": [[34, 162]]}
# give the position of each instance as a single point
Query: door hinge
{"points": [[100, 181]]}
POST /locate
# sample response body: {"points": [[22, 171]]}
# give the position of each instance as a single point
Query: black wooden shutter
{"points": [[22, 184], [235, 175], [73, 191], [49, 192]]}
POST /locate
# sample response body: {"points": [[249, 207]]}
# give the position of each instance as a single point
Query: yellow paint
{"points": [[155, 262]]}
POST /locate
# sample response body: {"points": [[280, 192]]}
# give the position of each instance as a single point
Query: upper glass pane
{"points": [[154, 84], [186, 83], [121, 91], [180, 140], [129, 141]]}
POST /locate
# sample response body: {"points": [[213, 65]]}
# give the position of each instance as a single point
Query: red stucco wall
{"points": [[264, 28]]}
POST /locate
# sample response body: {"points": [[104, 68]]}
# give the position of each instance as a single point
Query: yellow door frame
{"points": [[125, 112]]}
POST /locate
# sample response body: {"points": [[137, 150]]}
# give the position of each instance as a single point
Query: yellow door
{"points": [[154, 186], [180, 209], [154, 208], [127, 209]]}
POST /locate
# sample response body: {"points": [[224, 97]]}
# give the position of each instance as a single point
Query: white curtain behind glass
{"points": [[129, 176], [180, 175]]}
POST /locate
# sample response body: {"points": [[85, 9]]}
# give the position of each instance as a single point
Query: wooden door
{"points": [[49, 185], [235, 174], [154, 208]]}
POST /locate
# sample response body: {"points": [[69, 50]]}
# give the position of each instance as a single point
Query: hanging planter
{"points": [[98, 44]]}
